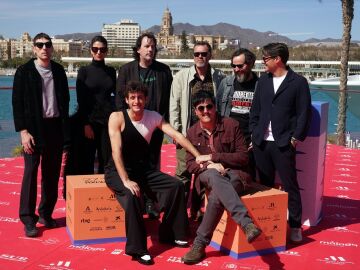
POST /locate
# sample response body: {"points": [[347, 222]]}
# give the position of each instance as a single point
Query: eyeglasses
{"points": [[203, 54], [101, 49], [208, 107], [238, 66], [267, 58], [40, 45]]}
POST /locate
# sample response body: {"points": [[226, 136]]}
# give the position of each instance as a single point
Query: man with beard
{"points": [[200, 76], [157, 77], [235, 94]]}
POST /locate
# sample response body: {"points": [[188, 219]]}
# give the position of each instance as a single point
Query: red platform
{"points": [[333, 244]]}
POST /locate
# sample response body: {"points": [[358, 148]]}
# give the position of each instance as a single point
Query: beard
{"points": [[242, 77]]}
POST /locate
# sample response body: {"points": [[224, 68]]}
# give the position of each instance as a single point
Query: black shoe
{"points": [[143, 259], [151, 211], [31, 230], [252, 232], [48, 223]]}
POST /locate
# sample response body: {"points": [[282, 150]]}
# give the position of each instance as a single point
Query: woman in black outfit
{"points": [[95, 90]]}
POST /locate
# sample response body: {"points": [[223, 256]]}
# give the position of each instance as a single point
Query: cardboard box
{"points": [[268, 209], [93, 215]]}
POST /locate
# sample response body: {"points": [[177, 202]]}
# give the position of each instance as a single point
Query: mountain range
{"points": [[248, 37]]}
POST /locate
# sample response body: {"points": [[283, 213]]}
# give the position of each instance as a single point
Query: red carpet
{"points": [[333, 244]]}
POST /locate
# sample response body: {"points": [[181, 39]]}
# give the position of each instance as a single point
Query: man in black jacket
{"points": [[157, 77], [279, 117], [40, 102]]}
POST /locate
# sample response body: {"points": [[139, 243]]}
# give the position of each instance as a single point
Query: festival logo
{"points": [[10, 257], [335, 260], [60, 265]]}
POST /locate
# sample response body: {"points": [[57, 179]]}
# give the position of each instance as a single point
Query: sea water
{"points": [[9, 138]]}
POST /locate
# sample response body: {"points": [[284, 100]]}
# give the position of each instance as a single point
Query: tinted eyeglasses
{"points": [[267, 58], [203, 54], [40, 45], [208, 107], [240, 66], [101, 49]]}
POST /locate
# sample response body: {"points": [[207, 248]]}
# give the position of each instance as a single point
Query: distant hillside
{"points": [[246, 36], [77, 36]]}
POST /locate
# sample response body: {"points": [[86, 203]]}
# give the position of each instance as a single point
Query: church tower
{"points": [[166, 26]]}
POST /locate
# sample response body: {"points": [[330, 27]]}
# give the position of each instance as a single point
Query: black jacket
{"points": [[130, 72], [27, 100], [289, 110]]}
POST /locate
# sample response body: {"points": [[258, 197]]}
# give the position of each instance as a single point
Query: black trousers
{"points": [[101, 145], [50, 157], [168, 191], [270, 158]]}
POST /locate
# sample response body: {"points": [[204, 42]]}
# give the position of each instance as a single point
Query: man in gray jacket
{"points": [[200, 76], [235, 95]]}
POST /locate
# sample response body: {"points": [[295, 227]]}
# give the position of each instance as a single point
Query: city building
{"points": [[5, 49], [170, 43], [70, 48], [121, 35]]}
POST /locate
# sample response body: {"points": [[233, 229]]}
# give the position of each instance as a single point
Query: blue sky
{"points": [[297, 19]]}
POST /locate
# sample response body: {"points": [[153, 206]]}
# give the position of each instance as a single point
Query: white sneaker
{"points": [[296, 235], [181, 243]]}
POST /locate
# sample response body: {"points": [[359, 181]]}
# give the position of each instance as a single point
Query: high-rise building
{"points": [[121, 35]]}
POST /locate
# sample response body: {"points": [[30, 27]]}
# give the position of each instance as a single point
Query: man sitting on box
{"points": [[223, 171], [130, 174]]}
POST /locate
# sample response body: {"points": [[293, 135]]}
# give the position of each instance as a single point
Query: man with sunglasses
{"points": [[158, 78], [187, 82], [279, 118], [221, 168], [40, 101], [235, 94]]}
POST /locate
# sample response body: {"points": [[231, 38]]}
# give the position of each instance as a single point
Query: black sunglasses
{"points": [[203, 54], [238, 66], [40, 45], [267, 58], [208, 107], [101, 49]]}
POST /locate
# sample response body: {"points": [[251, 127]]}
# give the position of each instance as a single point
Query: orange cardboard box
{"points": [[268, 209], [93, 215]]}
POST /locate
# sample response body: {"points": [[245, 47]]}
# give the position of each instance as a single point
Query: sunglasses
{"points": [[240, 66], [40, 45], [101, 49], [267, 58], [208, 107], [203, 54]]}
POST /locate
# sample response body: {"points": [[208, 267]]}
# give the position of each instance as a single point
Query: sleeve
{"points": [[81, 95], [168, 79], [175, 100], [303, 110], [191, 165], [255, 109], [239, 158], [219, 96], [18, 100], [120, 103]]}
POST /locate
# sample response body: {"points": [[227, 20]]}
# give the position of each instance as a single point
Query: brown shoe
{"points": [[194, 255], [252, 232]]}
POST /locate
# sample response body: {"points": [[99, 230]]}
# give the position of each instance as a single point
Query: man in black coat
{"points": [[158, 78], [40, 103], [279, 118]]}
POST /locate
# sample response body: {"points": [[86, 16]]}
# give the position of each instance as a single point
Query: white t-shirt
{"points": [[146, 126], [277, 81]]}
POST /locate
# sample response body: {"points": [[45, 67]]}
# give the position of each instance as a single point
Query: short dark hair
{"points": [[99, 39], [134, 87], [202, 95], [41, 35], [203, 43], [250, 57], [137, 46], [276, 49]]}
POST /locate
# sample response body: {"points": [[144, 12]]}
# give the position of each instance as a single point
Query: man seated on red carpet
{"points": [[130, 174], [223, 171]]}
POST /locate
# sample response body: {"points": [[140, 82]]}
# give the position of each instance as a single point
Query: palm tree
{"points": [[347, 17]]}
